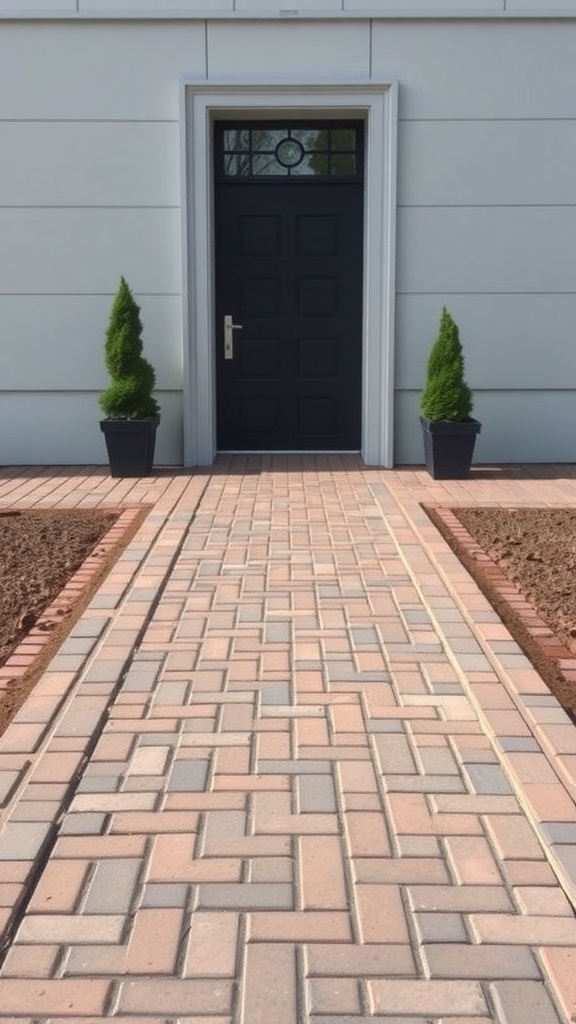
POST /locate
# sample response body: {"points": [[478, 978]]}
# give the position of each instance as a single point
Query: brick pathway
{"points": [[288, 768]]}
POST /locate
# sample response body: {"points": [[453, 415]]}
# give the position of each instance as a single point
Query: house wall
{"points": [[90, 189]]}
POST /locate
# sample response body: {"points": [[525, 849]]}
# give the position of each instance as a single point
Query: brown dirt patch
{"points": [[535, 548], [40, 551]]}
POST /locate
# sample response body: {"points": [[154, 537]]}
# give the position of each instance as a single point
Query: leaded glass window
{"points": [[259, 150]]}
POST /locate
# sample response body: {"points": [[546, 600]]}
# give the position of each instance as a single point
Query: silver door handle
{"points": [[229, 329]]}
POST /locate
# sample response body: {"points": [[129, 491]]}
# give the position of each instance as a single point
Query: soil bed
{"points": [[39, 551], [536, 550]]}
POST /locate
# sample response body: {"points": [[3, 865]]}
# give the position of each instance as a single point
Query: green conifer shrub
{"points": [[132, 378], [446, 395]]}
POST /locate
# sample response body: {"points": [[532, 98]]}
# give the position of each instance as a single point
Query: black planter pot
{"points": [[449, 447], [130, 445]]}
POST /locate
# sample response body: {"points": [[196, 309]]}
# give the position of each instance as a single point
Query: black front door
{"points": [[289, 214]]}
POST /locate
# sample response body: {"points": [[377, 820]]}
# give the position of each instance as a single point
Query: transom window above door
{"points": [[283, 150]]}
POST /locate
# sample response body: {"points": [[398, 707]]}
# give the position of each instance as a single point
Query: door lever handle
{"points": [[229, 329]]}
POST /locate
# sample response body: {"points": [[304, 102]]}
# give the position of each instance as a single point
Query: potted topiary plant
{"points": [[132, 414], [445, 406]]}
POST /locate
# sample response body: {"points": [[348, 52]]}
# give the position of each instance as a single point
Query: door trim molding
{"points": [[202, 103]]}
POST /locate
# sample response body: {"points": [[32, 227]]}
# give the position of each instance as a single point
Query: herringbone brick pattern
{"points": [[295, 809]]}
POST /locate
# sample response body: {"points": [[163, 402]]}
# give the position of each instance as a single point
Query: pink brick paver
{"points": [[300, 774]]}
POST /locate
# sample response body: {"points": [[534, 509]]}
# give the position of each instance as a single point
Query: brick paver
{"points": [[297, 770]]}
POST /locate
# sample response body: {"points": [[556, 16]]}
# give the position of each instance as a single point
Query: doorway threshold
{"points": [[288, 451]]}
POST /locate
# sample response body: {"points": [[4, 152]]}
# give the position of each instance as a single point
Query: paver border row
{"points": [[537, 710], [26, 745]]}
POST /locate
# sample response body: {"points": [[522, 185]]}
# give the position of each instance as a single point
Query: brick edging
{"points": [[34, 644], [540, 633]]}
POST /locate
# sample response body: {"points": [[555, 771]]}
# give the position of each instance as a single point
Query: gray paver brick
{"points": [[99, 784], [105, 670], [83, 715], [382, 725], [277, 694], [164, 894], [465, 645], [82, 824], [339, 674], [520, 1001], [342, 959], [518, 743], [246, 896], [188, 776], [67, 661], [22, 840], [441, 928], [479, 663], [155, 739], [134, 554], [560, 832], [541, 700], [269, 767], [395, 755], [365, 637], [515, 661], [452, 960], [415, 616], [140, 679], [488, 778], [449, 614], [77, 645], [316, 793], [145, 656], [106, 600], [138, 594], [88, 627], [277, 632], [112, 887], [567, 857]]}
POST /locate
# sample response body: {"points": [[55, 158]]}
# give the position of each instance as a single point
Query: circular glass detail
{"points": [[289, 152]]}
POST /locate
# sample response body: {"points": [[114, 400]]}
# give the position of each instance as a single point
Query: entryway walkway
{"points": [[289, 767]]}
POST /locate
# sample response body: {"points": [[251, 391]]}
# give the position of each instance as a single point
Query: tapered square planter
{"points": [[449, 447], [130, 445]]}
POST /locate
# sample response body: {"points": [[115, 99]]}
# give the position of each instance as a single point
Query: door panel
{"points": [[289, 270]]}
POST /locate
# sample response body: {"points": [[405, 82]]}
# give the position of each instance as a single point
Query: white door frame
{"points": [[202, 104]]}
